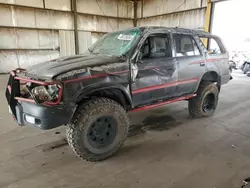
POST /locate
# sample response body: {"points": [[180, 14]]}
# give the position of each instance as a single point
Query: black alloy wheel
{"points": [[102, 132], [209, 103]]}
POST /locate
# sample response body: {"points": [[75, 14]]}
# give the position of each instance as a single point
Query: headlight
{"points": [[46, 93]]}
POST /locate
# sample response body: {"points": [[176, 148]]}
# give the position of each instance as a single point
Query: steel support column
{"points": [[209, 15], [209, 18], [74, 9], [135, 12]]}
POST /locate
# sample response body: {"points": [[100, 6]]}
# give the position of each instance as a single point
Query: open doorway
{"points": [[230, 22]]}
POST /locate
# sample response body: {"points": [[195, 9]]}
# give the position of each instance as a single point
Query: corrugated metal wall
{"points": [[172, 13], [33, 31], [187, 19], [67, 43]]}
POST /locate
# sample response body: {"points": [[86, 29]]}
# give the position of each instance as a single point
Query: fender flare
{"points": [[209, 72], [87, 91]]}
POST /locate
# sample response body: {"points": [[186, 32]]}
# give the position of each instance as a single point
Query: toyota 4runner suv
{"points": [[125, 71]]}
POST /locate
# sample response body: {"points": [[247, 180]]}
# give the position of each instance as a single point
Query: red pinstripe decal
{"points": [[208, 60], [171, 84], [105, 74], [188, 81], [163, 103], [85, 77], [145, 89], [216, 59], [196, 62]]}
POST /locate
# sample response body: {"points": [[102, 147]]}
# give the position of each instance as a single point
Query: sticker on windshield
{"points": [[125, 37]]}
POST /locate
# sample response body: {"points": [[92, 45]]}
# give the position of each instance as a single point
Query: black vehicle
{"points": [[125, 71]]}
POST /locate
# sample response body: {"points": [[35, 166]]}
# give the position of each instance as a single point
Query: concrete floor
{"points": [[166, 148]]}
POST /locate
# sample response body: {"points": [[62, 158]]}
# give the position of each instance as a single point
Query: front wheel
{"points": [[205, 103], [98, 129]]}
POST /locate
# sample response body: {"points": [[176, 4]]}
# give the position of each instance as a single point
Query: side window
{"points": [[156, 46], [211, 45], [185, 46]]}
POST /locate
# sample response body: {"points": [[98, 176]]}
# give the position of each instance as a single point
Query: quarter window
{"points": [[211, 45], [185, 46]]}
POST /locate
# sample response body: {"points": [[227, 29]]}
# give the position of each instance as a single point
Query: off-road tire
{"points": [[195, 105], [86, 114]]}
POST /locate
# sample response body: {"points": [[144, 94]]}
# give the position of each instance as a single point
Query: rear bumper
{"points": [[45, 117]]}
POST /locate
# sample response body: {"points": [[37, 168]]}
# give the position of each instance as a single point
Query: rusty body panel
{"points": [[133, 79]]}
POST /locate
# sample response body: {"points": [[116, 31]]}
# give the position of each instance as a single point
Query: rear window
{"points": [[212, 45]]}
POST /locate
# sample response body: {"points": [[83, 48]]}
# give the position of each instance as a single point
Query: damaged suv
{"points": [[125, 71]]}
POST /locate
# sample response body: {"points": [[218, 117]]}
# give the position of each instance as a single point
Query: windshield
{"points": [[116, 43]]}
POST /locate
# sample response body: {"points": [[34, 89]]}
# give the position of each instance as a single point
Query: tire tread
{"points": [[82, 114], [194, 105]]}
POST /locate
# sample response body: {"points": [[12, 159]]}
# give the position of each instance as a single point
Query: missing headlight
{"points": [[45, 93], [53, 91]]}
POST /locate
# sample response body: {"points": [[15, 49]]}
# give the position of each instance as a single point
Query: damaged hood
{"points": [[53, 68]]}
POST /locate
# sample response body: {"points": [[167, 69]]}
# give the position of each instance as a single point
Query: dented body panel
{"points": [[151, 70]]}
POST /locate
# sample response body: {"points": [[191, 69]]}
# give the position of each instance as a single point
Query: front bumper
{"points": [[45, 117], [28, 112]]}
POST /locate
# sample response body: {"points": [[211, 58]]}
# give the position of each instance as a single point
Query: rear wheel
{"points": [[205, 103], [98, 129]]}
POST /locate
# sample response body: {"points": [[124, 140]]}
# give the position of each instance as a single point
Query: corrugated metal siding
{"points": [[125, 9], [28, 58], [139, 9], [190, 19], [102, 24], [58, 4], [35, 18], [85, 41], [31, 3], [204, 3], [42, 28], [10, 60], [67, 43], [124, 24], [14, 38], [91, 27], [157, 7], [95, 37], [108, 7]]}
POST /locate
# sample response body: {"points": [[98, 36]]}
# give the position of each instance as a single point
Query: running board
{"points": [[163, 103]]}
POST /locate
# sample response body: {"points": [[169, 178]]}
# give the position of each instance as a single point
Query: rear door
{"points": [[156, 78], [191, 63]]}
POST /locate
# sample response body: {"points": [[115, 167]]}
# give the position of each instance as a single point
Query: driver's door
{"points": [[156, 71]]}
